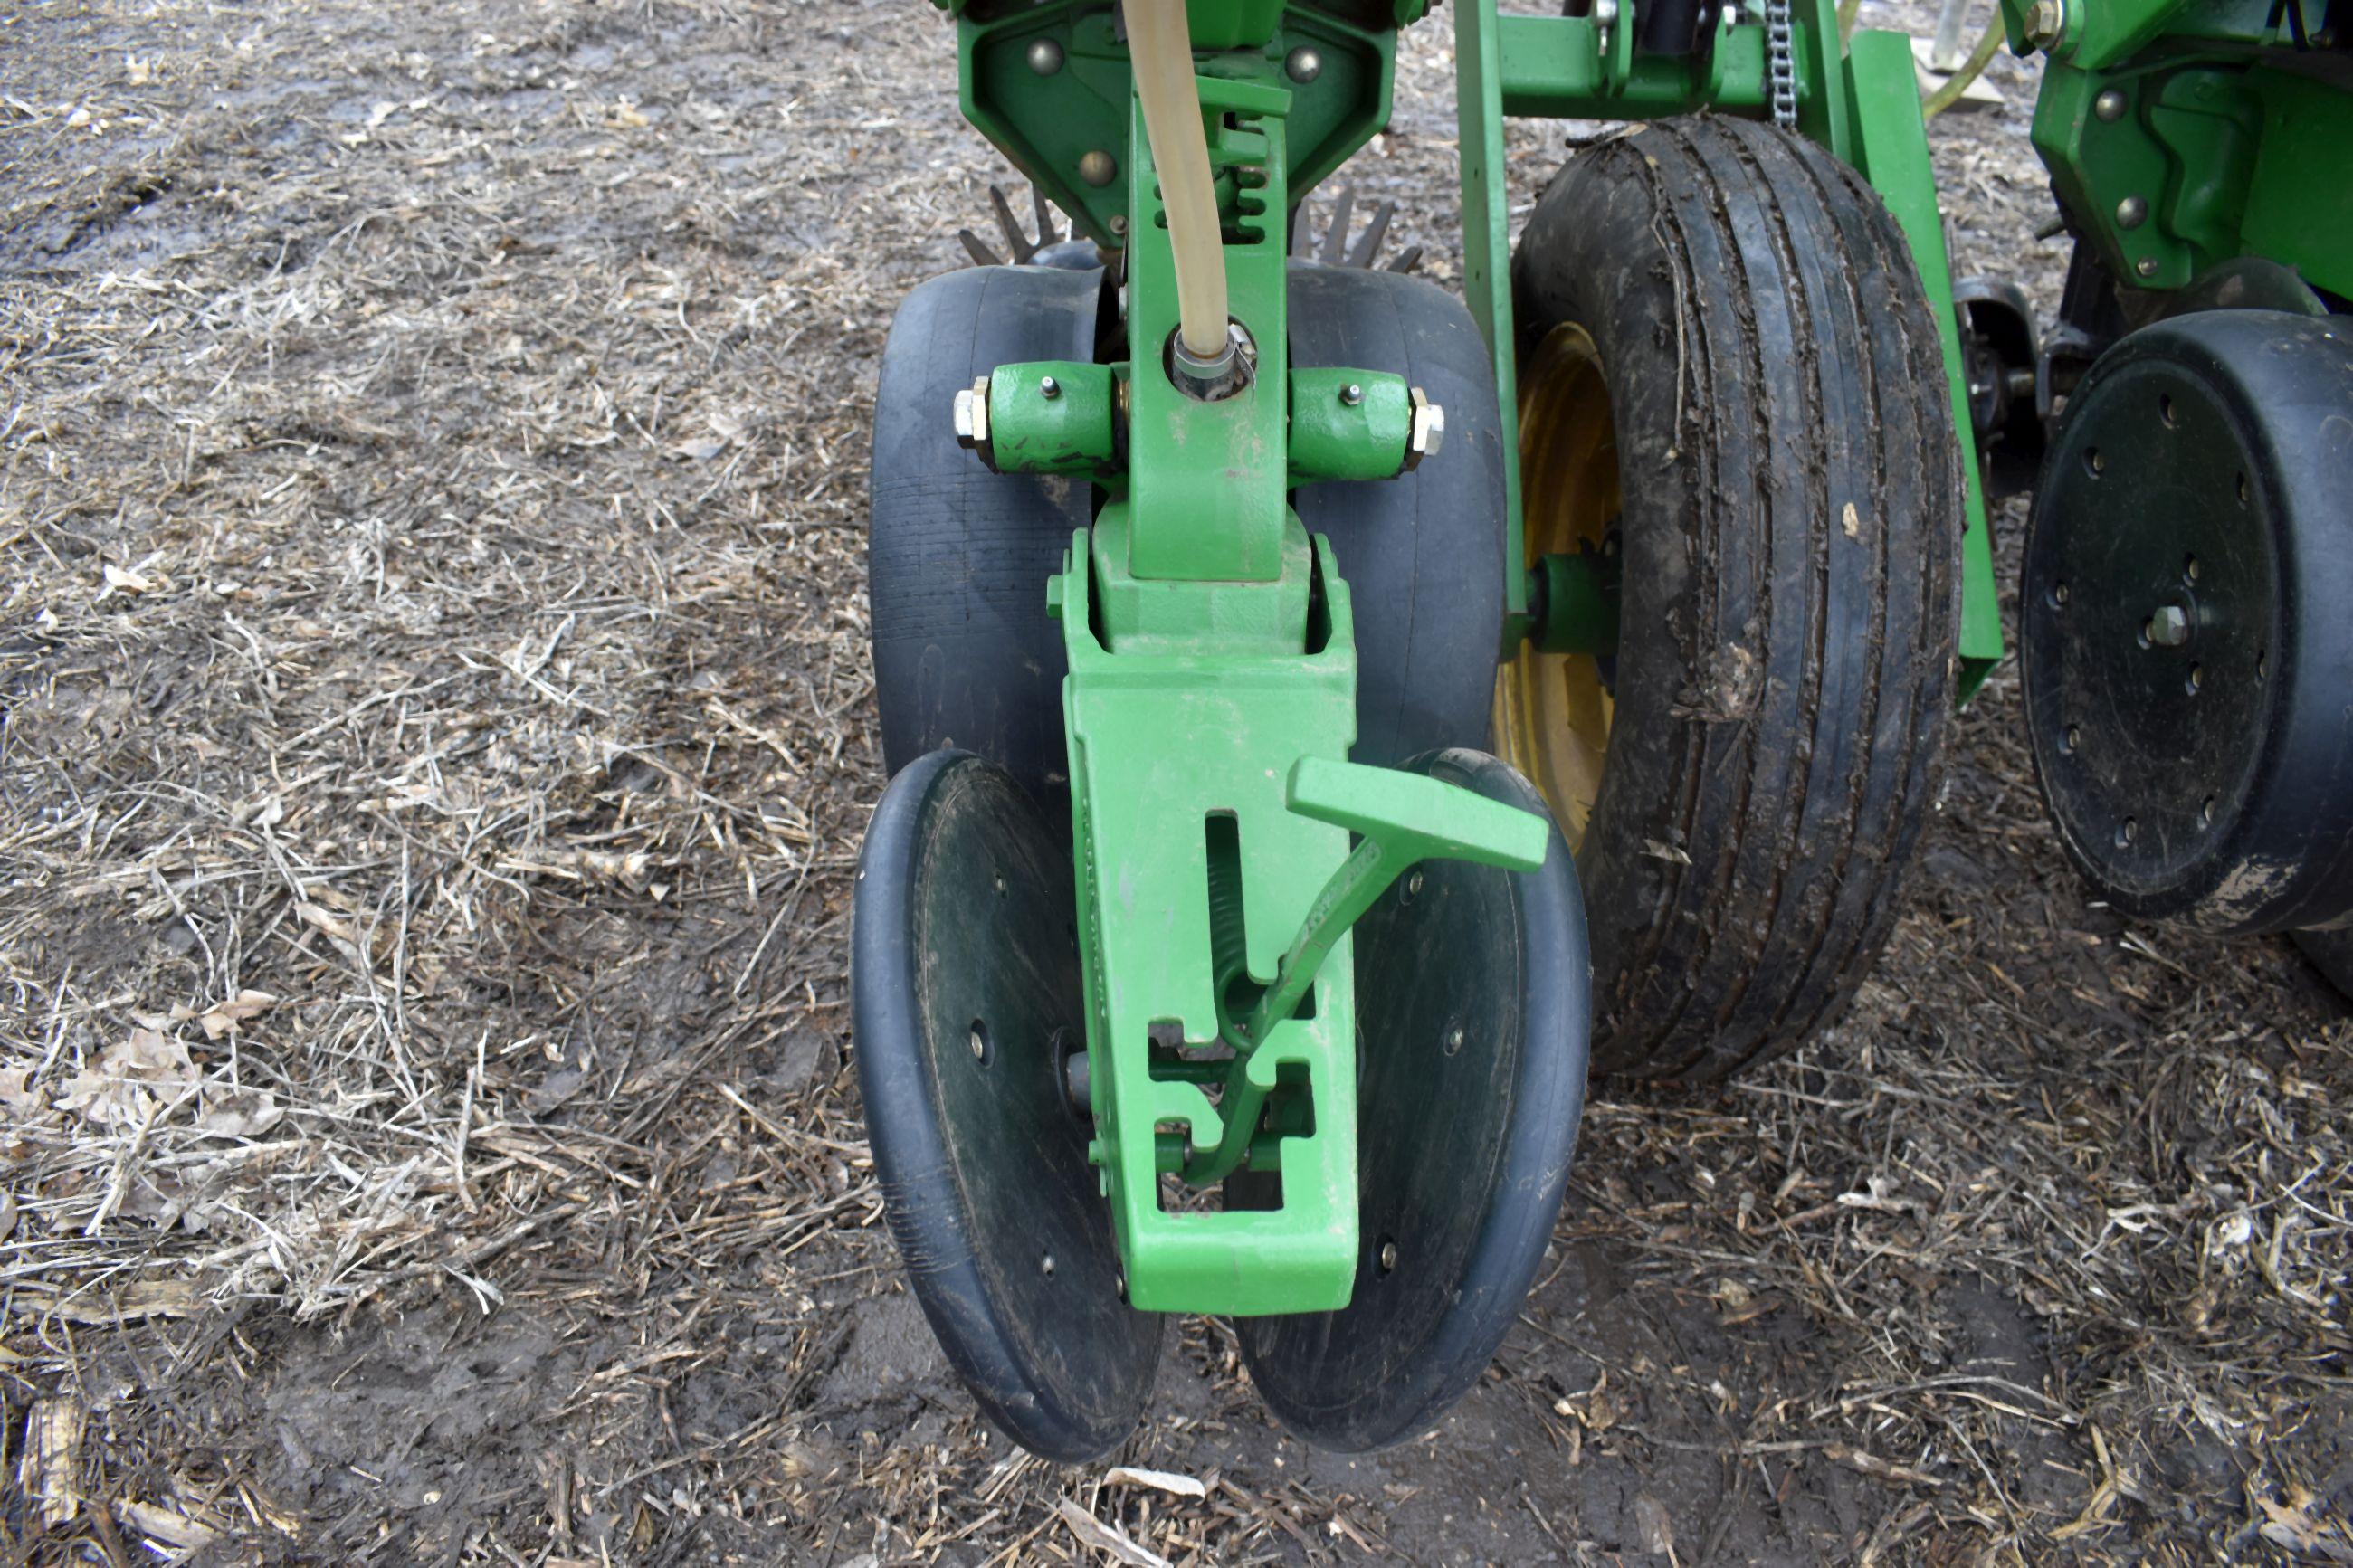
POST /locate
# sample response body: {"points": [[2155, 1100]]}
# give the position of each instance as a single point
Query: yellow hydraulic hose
{"points": [[1160, 44]]}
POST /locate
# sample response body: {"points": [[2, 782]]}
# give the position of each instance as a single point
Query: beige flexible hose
{"points": [[1160, 44]]}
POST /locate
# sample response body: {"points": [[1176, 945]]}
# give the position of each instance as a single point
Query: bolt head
{"points": [[2145, 267], [1428, 433], [1098, 168], [1605, 13], [2045, 19], [1388, 1257], [1303, 65], [2170, 625], [1045, 56], [2131, 212], [2109, 105], [1118, 221], [972, 418]]}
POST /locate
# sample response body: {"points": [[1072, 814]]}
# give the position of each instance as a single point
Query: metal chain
{"points": [[1780, 65]]}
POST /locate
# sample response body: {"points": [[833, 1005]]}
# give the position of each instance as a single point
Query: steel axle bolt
{"points": [[1045, 56]]}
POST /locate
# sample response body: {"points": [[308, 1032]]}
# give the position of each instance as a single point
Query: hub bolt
{"points": [[2169, 626], [1045, 56], [1303, 65], [1428, 433]]}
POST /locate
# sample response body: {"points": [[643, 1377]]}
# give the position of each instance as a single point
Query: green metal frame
{"points": [[2184, 134], [1224, 845]]}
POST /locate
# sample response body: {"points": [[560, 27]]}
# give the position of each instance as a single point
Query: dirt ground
{"points": [[438, 734]]}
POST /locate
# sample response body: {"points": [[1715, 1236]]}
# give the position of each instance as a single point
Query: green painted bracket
{"points": [[1401, 820], [1890, 150], [1207, 480], [1193, 871], [1348, 425], [1053, 417], [1048, 84]]}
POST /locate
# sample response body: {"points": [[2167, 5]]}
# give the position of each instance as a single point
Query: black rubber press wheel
{"points": [[958, 557], [963, 972], [1472, 1007], [1730, 382], [1423, 553], [2185, 623]]}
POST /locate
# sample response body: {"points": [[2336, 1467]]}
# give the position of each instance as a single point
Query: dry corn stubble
{"points": [[431, 474]]}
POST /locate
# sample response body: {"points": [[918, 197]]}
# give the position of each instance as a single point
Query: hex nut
{"points": [[1427, 434], [2170, 625], [2045, 21], [972, 421]]}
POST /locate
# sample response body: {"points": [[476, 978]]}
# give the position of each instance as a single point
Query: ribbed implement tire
{"points": [[1791, 537]]}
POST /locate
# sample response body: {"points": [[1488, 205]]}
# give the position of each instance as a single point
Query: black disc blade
{"points": [[1473, 1000], [963, 972]]}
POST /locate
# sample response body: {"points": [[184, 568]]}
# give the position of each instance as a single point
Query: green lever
{"points": [[1401, 820]]}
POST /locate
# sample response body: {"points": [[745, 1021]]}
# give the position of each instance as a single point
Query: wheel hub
{"points": [[2184, 646]]}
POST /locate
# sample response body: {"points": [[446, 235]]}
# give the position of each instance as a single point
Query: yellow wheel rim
{"points": [[1552, 713]]}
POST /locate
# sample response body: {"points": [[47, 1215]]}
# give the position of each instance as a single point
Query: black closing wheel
{"points": [[1731, 398], [1423, 553], [1471, 1004], [964, 981], [2186, 622], [958, 557]]}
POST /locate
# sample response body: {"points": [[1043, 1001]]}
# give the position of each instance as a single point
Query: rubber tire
{"points": [[1423, 553], [958, 557], [1463, 1153], [962, 914], [2331, 952], [1792, 530]]}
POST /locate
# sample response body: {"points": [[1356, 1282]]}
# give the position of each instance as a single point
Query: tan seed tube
{"points": [[1160, 44]]}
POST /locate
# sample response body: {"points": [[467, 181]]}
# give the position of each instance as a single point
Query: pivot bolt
{"points": [[2109, 105], [2045, 20], [2131, 212], [1428, 433], [1098, 168], [1045, 56], [972, 418], [2169, 626], [1303, 65]]}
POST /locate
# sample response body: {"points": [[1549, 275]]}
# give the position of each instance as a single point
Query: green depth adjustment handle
{"points": [[1401, 820]]}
